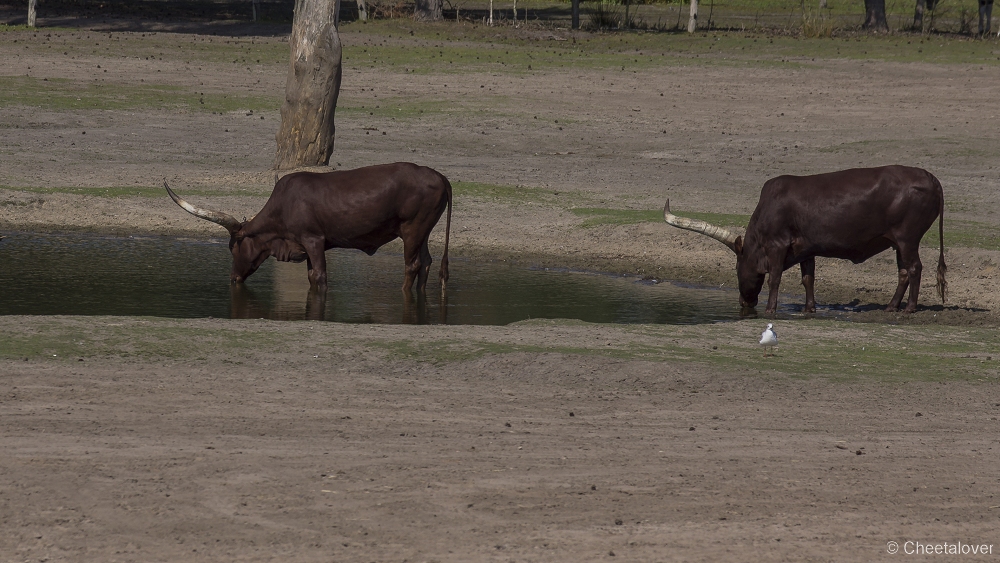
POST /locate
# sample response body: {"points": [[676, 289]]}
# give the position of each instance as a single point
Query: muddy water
{"points": [[44, 274]]}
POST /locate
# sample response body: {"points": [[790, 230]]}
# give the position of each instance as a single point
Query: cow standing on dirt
{"points": [[309, 213], [851, 214]]}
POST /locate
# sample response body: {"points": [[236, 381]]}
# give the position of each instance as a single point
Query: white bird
{"points": [[768, 339]]}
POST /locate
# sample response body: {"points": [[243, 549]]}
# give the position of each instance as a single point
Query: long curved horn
{"points": [[218, 217], [724, 236]]}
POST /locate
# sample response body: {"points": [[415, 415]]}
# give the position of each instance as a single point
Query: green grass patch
{"points": [[594, 216], [809, 348], [509, 194], [69, 338], [110, 192], [192, 50], [968, 234], [399, 108], [450, 47], [125, 191], [71, 95]]}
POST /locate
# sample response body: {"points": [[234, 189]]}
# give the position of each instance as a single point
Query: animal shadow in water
{"points": [[242, 303], [874, 309], [245, 304], [316, 304], [415, 309]]}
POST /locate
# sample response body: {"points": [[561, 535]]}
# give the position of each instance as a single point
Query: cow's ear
{"points": [[738, 245]]}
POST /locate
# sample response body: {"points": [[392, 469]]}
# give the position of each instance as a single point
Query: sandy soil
{"points": [[322, 442], [319, 442]]}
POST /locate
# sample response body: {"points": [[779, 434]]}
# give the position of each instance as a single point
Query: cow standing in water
{"points": [[852, 214], [309, 213]]}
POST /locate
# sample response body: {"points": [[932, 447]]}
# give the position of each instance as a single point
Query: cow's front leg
{"points": [[808, 268], [316, 304], [316, 259], [773, 281]]}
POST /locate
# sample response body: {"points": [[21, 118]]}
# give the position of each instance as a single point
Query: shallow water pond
{"points": [[47, 274]]}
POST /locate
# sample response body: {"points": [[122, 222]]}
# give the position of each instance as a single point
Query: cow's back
{"points": [[836, 212], [344, 205]]}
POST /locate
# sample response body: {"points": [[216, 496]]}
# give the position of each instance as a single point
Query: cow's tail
{"points": [[443, 276], [942, 284]]}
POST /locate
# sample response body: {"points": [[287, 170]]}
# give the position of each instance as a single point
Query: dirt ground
{"points": [[316, 441]]}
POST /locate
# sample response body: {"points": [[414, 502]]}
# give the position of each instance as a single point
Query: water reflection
{"points": [[171, 277]]}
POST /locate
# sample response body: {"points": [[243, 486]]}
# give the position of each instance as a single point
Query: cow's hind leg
{"points": [[904, 280], [914, 269], [910, 268], [808, 268], [316, 260], [417, 262], [425, 266]]}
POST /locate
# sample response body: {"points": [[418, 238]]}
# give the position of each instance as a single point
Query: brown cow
{"points": [[309, 213], [852, 214]]}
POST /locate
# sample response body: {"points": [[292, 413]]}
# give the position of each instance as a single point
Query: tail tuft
{"points": [[942, 284], [443, 274]]}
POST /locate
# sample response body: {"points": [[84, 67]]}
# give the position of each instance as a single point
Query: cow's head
{"points": [[248, 255], [248, 252], [748, 267]]}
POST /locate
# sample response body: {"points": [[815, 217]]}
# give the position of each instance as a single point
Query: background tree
{"points": [[307, 131], [985, 14], [428, 9], [875, 15], [918, 15], [32, 4], [693, 19]]}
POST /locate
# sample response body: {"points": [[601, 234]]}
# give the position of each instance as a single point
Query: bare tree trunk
{"points": [[693, 20], [985, 14], [875, 15], [307, 131], [576, 14], [363, 10], [491, 13], [918, 15], [32, 5], [428, 9], [515, 13]]}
